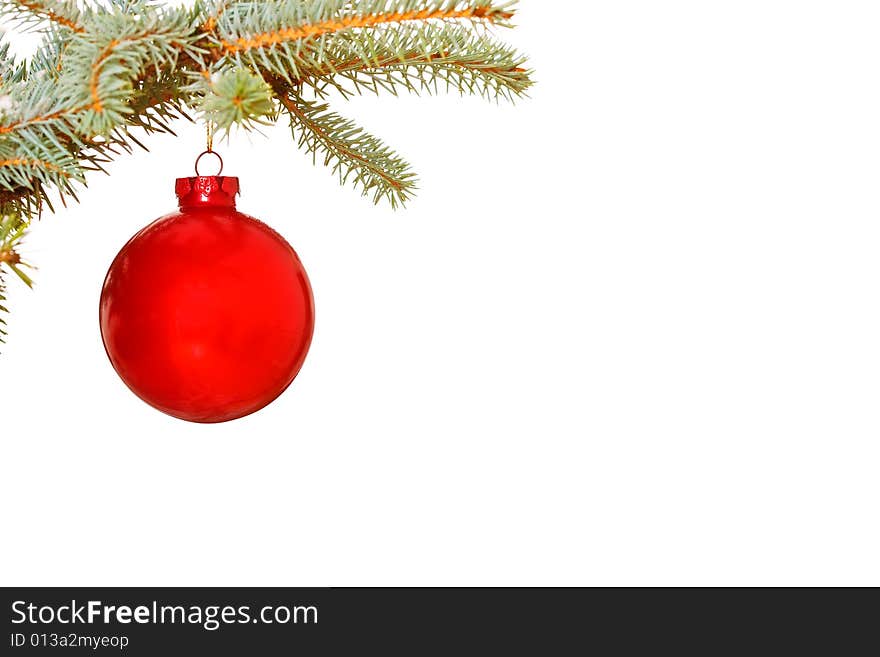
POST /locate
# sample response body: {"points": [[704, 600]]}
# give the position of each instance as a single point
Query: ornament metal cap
{"points": [[214, 191], [206, 190]]}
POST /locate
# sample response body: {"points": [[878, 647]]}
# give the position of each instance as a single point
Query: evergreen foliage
{"points": [[110, 69]]}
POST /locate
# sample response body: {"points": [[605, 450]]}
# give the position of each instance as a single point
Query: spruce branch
{"points": [[352, 45], [421, 58], [121, 54], [107, 84], [353, 154], [12, 229], [61, 13], [310, 20], [289, 37]]}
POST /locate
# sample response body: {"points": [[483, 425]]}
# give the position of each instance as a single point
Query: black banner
{"points": [[276, 621]]}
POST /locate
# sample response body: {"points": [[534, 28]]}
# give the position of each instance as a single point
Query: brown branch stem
{"points": [[42, 10], [9, 256], [351, 22]]}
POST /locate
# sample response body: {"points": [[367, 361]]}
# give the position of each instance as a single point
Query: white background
{"points": [[627, 334]]}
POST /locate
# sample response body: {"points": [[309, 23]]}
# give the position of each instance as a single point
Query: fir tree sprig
{"points": [[426, 58], [106, 72], [353, 154], [62, 13], [12, 229]]}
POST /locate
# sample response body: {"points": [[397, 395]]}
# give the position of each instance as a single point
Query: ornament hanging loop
{"points": [[209, 143], [209, 152]]}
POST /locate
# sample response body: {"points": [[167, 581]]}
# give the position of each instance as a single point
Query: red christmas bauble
{"points": [[207, 313]]}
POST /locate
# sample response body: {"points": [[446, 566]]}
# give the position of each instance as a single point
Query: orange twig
{"points": [[96, 73], [348, 22], [19, 161], [39, 8], [9, 257], [211, 23]]}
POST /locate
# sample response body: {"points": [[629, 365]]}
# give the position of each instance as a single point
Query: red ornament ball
{"points": [[207, 313]]}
